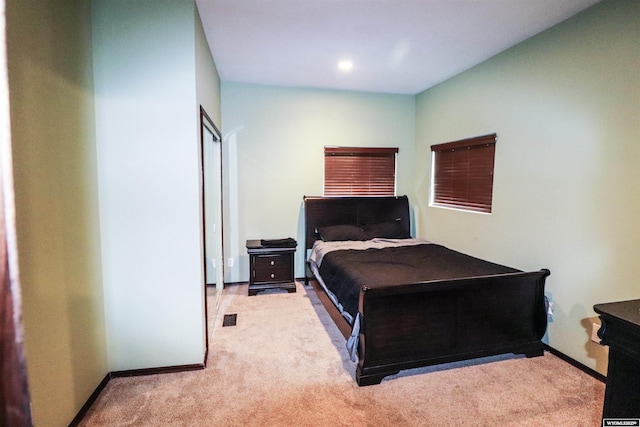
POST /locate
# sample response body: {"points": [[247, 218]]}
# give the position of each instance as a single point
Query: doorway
{"points": [[211, 185]]}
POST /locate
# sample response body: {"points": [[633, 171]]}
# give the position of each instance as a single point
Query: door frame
{"points": [[15, 400], [205, 121]]}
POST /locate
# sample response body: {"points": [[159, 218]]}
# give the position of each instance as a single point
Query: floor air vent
{"points": [[229, 320]]}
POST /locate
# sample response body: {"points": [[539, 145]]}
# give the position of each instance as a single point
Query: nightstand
{"points": [[620, 330], [270, 267]]}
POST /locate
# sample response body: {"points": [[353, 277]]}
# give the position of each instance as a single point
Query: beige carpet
{"points": [[284, 364]]}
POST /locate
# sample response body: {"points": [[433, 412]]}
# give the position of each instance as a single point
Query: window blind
{"points": [[462, 175], [359, 171]]}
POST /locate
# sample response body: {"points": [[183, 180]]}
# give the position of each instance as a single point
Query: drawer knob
{"points": [[273, 275], [273, 262]]}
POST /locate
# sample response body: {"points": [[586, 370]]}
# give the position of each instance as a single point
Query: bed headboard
{"points": [[323, 211]]}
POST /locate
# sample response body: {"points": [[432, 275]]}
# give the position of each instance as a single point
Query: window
{"points": [[357, 171], [462, 173]]}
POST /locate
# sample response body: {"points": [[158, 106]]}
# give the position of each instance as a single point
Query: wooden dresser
{"points": [[620, 330], [270, 267]]}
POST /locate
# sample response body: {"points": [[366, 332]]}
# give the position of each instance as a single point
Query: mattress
{"points": [[346, 267]]}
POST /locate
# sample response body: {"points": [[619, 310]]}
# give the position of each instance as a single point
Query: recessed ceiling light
{"points": [[345, 65]]}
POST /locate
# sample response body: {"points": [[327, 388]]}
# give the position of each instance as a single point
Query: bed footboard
{"points": [[429, 323]]}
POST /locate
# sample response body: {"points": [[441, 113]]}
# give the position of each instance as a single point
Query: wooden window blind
{"points": [[462, 175], [358, 171]]}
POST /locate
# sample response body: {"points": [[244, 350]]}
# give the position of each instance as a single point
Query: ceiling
{"points": [[396, 46]]}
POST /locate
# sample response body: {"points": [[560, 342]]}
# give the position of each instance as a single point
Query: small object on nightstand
{"points": [[271, 265]]}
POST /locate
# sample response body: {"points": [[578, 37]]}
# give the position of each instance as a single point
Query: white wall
{"points": [[566, 108], [274, 153], [147, 133]]}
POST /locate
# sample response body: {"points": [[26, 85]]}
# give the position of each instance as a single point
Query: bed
{"points": [[402, 302]]}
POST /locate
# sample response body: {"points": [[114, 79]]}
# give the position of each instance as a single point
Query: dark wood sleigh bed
{"points": [[432, 321]]}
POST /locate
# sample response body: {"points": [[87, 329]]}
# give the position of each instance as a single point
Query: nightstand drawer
{"points": [[273, 268]]}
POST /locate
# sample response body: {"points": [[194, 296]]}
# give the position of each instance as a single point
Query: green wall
{"points": [[273, 149], [566, 107], [147, 126], [55, 172], [207, 78]]}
